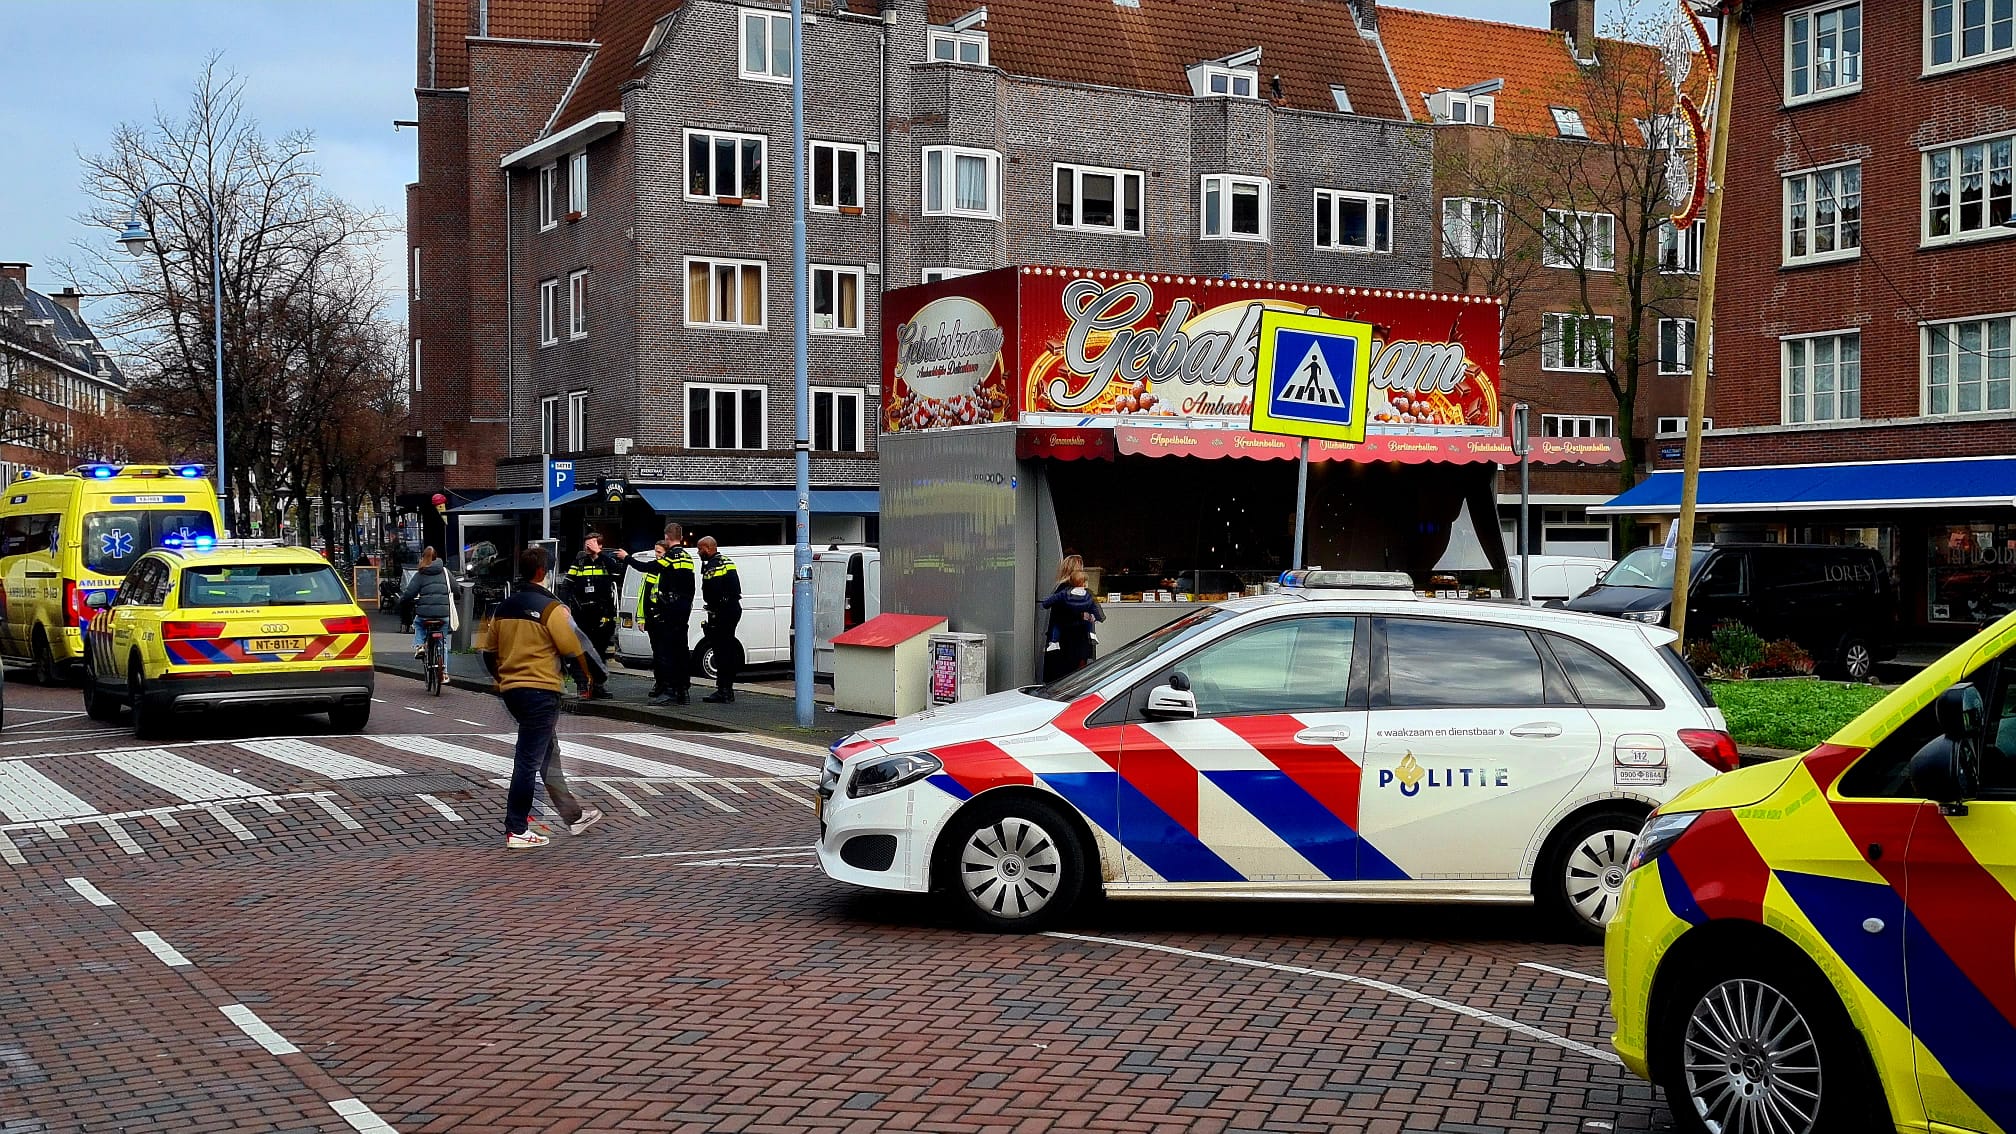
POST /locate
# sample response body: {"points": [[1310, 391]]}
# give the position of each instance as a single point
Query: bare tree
{"points": [[1590, 211], [280, 234]]}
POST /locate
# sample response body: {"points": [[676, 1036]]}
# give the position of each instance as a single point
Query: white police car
{"points": [[1340, 740]]}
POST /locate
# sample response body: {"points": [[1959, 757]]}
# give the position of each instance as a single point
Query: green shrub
{"points": [[1738, 649]]}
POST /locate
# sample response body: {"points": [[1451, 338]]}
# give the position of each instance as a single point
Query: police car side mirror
{"points": [[1947, 770], [1168, 703]]}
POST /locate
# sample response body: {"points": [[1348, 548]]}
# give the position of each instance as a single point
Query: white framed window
{"points": [[549, 312], [1225, 82], [1232, 208], [1574, 342], [836, 300], [961, 182], [1821, 377], [1970, 188], [1677, 426], [656, 39], [1823, 51], [1577, 425], [549, 422], [416, 366], [721, 164], [1354, 222], [413, 285], [1960, 33], [1472, 228], [933, 275], [726, 293], [1580, 240], [1098, 200], [577, 421], [725, 417], [1676, 346], [1340, 98], [1680, 252], [836, 176], [1462, 108], [1823, 214], [548, 174], [1966, 365], [577, 305], [969, 47], [766, 45], [1568, 121], [837, 415], [577, 184]]}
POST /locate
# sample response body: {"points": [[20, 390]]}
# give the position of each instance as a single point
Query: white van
{"points": [[1558, 578], [846, 591], [765, 631]]}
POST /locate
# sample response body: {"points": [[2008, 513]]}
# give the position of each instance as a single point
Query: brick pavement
{"points": [[451, 986]]}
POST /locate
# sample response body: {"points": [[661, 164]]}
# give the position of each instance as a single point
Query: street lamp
{"points": [[136, 238]]}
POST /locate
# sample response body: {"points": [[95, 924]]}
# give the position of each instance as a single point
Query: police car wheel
{"points": [[1012, 867], [350, 718], [1581, 873], [1763, 1045]]}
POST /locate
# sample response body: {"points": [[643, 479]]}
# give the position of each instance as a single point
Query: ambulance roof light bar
{"points": [[104, 471]]}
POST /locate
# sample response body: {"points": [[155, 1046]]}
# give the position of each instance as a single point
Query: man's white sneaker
{"points": [[589, 817], [528, 840]]}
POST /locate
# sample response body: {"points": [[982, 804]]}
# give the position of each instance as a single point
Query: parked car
{"points": [[1837, 602], [1558, 578], [1349, 744], [1824, 943], [765, 631]]}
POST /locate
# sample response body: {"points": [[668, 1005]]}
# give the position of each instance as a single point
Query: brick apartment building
{"points": [[57, 382], [1523, 134], [1863, 315], [601, 229]]}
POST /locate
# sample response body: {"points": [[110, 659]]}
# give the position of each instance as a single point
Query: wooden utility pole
{"points": [[1704, 318]]}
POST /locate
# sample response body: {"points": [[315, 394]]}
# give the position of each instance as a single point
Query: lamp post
{"points": [[136, 238]]}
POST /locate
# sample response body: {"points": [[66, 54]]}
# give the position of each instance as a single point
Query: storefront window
{"points": [[1972, 573]]}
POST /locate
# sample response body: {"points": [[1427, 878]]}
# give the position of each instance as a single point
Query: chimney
{"points": [[1576, 19], [67, 299], [15, 270], [1366, 12]]}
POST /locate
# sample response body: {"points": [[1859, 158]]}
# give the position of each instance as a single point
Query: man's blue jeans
{"points": [[537, 755]]}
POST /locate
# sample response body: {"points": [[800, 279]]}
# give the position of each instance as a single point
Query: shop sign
{"points": [[1065, 444], [1415, 450], [1312, 376], [947, 354], [1209, 444]]}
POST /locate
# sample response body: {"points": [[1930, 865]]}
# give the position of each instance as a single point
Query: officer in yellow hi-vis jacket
{"points": [[721, 590], [670, 584], [591, 587]]}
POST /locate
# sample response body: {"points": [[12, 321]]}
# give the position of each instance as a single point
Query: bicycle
{"points": [[434, 661]]}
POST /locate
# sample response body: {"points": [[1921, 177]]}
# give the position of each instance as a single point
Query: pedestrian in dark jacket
{"points": [[1074, 618], [671, 584], [431, 595], [721, 591]]}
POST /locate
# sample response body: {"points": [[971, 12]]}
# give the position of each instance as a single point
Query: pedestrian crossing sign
{"points": [[1314, 376]]}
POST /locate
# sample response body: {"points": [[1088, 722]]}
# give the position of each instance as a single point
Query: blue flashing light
{"points": [[101, 472], [204, 542], [192, 472]]}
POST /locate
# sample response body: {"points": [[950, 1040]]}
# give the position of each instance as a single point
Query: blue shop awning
{"points": [[519, 501], [1957, 482], [759, 501]]}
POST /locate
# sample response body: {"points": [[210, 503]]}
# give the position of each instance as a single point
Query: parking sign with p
{"points": [[1314, 376]]}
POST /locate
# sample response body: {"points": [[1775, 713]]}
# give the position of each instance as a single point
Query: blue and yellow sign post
{"points": [[1313, 379]]}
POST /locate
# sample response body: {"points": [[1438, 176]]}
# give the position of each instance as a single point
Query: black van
{"points": [[1837, 602]]}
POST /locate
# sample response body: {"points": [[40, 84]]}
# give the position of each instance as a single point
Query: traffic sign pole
{"points": [[546, 497], [1301, 501]]}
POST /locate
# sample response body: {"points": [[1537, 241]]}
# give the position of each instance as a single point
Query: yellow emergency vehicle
{"points": [[65, 538], [1827, 944]]}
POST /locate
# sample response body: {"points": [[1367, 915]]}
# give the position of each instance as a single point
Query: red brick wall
{"points": [[1893, 285]]}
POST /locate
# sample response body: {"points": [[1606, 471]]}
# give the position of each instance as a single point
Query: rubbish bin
{"points": [[958, 667], [464, 637]]}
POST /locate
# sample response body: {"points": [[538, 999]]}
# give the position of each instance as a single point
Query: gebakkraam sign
{"points": [[1142, 347]]}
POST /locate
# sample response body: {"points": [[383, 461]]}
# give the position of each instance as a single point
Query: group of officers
{"points": [[674, 576]]}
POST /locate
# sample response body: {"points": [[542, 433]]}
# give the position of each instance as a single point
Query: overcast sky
{"points": [[343, 69]]}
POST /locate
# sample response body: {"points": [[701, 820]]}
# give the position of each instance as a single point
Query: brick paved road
{"points": [[292, 939]]}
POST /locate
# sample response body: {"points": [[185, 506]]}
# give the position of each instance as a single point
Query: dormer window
{"points": [[1342, 98], [655, 40], [969, 47], [1569, 122], [1234, 76], [1462, 108]]}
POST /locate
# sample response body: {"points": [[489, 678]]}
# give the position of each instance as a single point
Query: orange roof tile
{"points": [[1311, 44], [1432, 52]]}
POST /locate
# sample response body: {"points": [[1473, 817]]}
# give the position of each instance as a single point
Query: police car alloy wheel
{"points": [[1012, 867], [1579, 879]]}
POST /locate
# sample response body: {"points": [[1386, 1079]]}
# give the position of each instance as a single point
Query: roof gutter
{"points": [[589, 129]]}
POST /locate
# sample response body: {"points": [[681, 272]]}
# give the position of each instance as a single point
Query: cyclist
{"points": [[429, 593]]}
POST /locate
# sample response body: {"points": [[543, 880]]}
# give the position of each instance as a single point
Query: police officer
{"points": [[592, 583], [667, 608], [721, 591]]}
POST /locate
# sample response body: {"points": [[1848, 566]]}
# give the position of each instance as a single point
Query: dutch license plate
{"points": [[280, 646], [1645, 777]]}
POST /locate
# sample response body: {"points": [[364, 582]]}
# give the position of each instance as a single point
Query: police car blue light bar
{"points": [[192, 472], [101, 472], [1316, 578]]}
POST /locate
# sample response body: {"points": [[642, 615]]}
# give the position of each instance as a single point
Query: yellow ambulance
{"points": [[64, 538]]}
